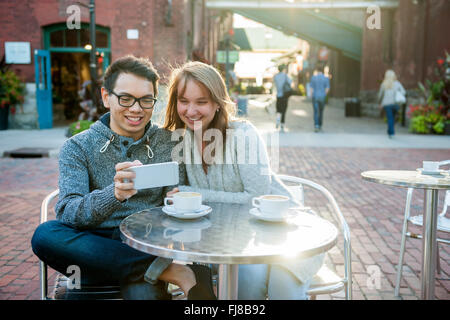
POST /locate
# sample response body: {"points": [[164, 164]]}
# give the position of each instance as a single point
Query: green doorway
{"points": [[70, 58]]}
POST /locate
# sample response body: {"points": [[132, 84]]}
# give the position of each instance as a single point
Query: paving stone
{"points": [[374, 213]]}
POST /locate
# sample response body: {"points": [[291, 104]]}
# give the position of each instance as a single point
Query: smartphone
{"points": [[156, 175]]}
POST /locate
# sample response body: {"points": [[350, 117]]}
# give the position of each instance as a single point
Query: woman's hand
{"points": [[172, 192]]}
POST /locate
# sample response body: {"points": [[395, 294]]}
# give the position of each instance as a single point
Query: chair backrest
{"points": [[446, 203], [42, 265], [337, 215], [45, 204], [447, 194], [297, 192]]}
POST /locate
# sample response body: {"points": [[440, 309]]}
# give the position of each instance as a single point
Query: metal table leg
{"points": [[228, 281], [429, 244]]}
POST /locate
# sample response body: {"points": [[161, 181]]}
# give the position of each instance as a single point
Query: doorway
{"points": [[70, 72]]}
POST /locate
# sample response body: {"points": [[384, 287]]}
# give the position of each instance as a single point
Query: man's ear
{"points": [[105, 97]]}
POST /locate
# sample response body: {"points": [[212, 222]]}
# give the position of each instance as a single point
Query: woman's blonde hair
{"points": [[389, 79], [207, 76]]}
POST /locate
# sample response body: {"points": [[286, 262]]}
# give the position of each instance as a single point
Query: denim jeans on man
{"points": [[318, 105], [391, 111], [319, 84], [101, 256]]}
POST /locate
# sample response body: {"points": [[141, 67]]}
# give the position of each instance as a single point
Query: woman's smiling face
{"points": [[194, 104]]}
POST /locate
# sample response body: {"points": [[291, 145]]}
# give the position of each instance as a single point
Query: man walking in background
{"points": [[319, 85]]}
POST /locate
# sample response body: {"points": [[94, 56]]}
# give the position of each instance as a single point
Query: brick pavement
{"points": [[374, 213]]}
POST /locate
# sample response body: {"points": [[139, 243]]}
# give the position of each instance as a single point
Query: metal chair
{"points": [[443, 224], [326, 281], [62, 291]]}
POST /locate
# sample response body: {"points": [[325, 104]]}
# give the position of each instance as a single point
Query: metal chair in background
{"points": [[326, 281], [62, 291], [443, 224]]}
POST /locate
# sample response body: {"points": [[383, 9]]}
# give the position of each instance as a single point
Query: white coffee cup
{"points": [[430, 166], [183, 235], [184, 202], [272, 204]]}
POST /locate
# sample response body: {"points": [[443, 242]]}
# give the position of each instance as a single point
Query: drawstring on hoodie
{"points": [[149, 150], [106, 145], [147, 145]]}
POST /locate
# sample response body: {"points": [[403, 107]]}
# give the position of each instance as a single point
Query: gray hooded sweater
{"points": [[87, 169]]}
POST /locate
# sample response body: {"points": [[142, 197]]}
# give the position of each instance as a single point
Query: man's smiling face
{"points": [[129, 121]]}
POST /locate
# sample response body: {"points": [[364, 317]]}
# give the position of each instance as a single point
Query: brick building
{"points": [[166, 31], [412, 38]]}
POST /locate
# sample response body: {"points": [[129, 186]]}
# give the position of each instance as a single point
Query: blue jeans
{"points": [[391, 110], [101, 256], [258, 281], [318, 105]]}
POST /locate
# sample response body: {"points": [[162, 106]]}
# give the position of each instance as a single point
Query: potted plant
{"points": [[77, 127], [12, 91], [434, 115]]}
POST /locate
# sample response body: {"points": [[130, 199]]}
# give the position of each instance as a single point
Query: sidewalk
{"points": [[338, 131], [334, 158]]}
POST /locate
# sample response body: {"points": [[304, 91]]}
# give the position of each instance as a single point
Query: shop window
{"points": [[84, 37], [71, 38], [77, 38], [57, 38]]}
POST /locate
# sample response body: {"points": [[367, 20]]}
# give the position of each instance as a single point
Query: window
{"points": [[61, 37]]}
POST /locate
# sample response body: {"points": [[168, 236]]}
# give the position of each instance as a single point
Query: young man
{"points": [[97, 193], [320, 85], [282, 82]]}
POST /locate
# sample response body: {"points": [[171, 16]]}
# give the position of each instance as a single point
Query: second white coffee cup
{"points": [[184, 202], [274, 205], [431, 166]]}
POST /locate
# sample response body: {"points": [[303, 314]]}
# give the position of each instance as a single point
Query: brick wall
{"points": [[418, 39], [164, 45]]}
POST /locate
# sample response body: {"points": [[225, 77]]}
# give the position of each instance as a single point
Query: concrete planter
{"points": [[447, 129], [26, 116]]}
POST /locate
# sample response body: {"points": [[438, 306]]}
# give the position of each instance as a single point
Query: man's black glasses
{"points": [[126, 100]]}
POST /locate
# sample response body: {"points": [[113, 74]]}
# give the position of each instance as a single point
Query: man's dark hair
{"points": [[320, 68], [281, 67], [140, 67]]}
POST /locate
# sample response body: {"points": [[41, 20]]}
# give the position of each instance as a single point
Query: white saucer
{"points": [[256, 213], [203, 211], [432, 173]]}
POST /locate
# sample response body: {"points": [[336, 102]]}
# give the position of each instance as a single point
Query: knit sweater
{"points": [[87, 169], [238, 181]]}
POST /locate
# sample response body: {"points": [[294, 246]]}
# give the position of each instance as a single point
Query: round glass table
{"points": [[431, 184], [228, 236]]}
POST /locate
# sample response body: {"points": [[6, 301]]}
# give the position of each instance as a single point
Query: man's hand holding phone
{"points": [[123, 180]]}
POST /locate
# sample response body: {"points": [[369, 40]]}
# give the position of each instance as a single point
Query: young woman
{"points": [[226, 161], [386, 98]]}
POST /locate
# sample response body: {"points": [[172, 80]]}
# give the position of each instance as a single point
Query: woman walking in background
{"points": [[391, 94]]}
